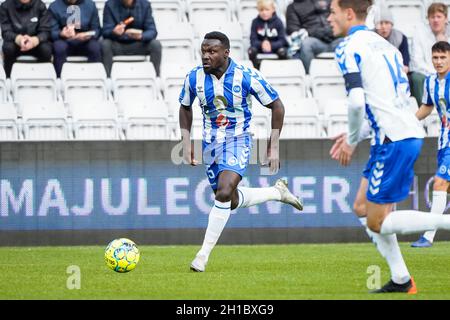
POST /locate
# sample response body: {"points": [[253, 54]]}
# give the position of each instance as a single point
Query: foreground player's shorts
{"points": [[443, 168], [232, 155], [390, 170]]}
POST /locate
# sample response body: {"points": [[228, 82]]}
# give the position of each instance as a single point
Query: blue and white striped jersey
{"points": [[437, 93], [226, 102], [366, 59]]}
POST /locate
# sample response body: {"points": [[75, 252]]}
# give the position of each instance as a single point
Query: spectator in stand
{"points": [[384, 26], [425, 36], [129, 29], [306, 22], [72, 37], [267, 33], [25, 28]]}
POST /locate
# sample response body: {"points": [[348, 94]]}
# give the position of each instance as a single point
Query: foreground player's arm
{"points": [[273, 147], [424, 111]]}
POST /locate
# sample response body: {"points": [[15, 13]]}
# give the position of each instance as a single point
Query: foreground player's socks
{"points": [[438, 207], [218, 217], [252, 196], [388, 247], [409, 221], [392, 287]]}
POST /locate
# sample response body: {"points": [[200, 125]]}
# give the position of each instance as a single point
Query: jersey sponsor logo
{"points": [[442, 169], [236, 89], [222, 120]]}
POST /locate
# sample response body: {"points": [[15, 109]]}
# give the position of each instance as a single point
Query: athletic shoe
{"points": [[392, 287], [286, 195], [422, 243], [199, 263]]}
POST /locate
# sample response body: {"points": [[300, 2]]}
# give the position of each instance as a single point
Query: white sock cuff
{"points": [[363, 221], [437, 192], [222, 205]]}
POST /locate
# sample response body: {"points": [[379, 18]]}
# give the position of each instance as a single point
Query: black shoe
{"points": [[392, 287]]}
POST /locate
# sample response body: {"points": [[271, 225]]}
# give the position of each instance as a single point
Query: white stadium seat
{"points": [[246, 12], [286, 76], [177, 42], [336, 116], [9, 127], [45, 121], [261, 118], [31, 82], [84, 83], [406, 11], [219, 11], [326, 81], [134, 82], [301, 120], [146, 121], [95, 122], [4, 88], [172, 78], [168, 11]]}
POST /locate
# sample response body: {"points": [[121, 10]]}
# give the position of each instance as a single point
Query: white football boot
{"points": [[286, 195], [199, 263]]}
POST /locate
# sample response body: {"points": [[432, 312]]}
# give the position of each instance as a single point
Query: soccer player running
{"points": [[437, 94], [378, 89], [224, 90]]}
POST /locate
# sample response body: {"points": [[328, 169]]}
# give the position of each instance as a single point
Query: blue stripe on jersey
{"points": [[373, 124], [447, 96], [246, 85], [193, 86], [393, 75], [429, 99], [210, 108], [439, 110], [228, 94]]}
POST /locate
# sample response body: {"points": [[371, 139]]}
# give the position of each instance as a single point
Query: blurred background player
{"points": [[425, 36], [267, 33], [367, 62], [224, 91], [437, 94]]}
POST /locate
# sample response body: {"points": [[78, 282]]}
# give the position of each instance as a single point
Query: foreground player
{"points": [[437, 94], [378, 88], [224, 90]]}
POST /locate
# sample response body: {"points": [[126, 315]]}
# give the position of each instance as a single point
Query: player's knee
{"points": [[224, 194], [359, 209], [374, 224]]}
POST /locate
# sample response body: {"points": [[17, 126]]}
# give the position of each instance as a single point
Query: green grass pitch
{"points": [[328, 271]]}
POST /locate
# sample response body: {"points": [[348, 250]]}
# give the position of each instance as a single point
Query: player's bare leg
{"points": [[228, 197], [438, 205]]}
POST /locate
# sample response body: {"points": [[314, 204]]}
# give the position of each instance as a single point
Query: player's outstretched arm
{"points": [[185, 118], [273, 148], [424, 111]]}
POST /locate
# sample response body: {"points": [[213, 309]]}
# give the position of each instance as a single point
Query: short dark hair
{"points": [[216, 35], [360, 7], [441, 46]]}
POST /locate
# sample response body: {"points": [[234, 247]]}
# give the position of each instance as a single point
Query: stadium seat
{"points": [[232, 29], [168, 11], [246, 12], [177, 42], [31, 82], [406, 12], [336, 117], [286, 76], [9, 127], [84, 83], [95, 122], [172, 79], [261, 118], [134, 82], [301, 120], [219, 11], [146, 121], [326, 81], [4, 86], [45, 121]]}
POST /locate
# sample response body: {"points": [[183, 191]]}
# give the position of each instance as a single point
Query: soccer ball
{"points": [[122, 255]]}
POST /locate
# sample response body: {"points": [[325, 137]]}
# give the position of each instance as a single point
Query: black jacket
{"points": [[272, 30], [32, 19], [310, 15]]}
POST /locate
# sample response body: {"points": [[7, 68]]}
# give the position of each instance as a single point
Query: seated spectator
{"points": [[25, 28], [384, 26], [129, 29], [267, 33], [308, 20], [425, 36], [75, 38]]}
